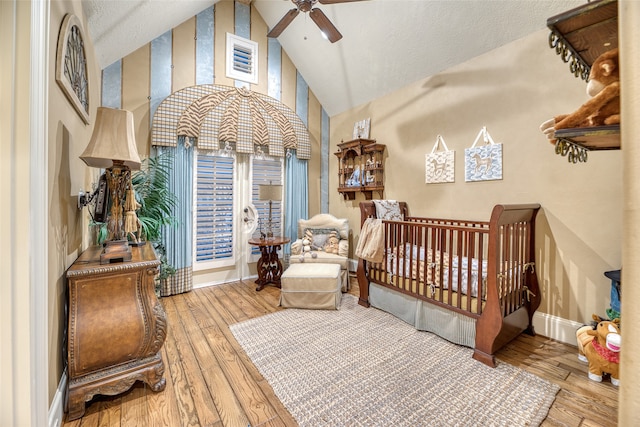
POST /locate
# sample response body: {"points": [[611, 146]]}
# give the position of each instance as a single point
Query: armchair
{"points": [[321, 232]]}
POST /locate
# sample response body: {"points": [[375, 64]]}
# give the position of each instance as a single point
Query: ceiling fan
{"points": [[321, 20]]}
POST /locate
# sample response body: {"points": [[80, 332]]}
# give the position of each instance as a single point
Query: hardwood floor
{"points": [[211, 381]]}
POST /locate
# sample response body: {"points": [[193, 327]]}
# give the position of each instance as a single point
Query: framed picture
{"points": [[361, 129], [483, 162], [440, 163], [71, 65]]}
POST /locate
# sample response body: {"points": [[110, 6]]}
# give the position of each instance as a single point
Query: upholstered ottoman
{"points": [[311, 285]]}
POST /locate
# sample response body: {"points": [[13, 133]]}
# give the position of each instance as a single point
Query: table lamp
{"points": [[113, 146], [271, 193]]}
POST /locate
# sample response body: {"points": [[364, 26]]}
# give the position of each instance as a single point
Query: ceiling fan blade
{"points": [[325, 25], [283, 23], [336, 1]]}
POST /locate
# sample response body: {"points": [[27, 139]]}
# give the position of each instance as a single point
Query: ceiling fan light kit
{"points": [[326, 26]]}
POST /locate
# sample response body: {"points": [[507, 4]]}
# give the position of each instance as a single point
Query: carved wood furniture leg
{"points": [[263, 268], [115, 381], [75, 404], [276, 266], [269, 267], [363, 283]]}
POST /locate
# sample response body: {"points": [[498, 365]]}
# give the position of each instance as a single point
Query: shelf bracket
{"points": [[573, 152], [578, 67]]}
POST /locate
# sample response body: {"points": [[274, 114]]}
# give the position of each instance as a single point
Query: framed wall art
{"points": [[483, 162], [361, 129], [71, 65], [440, 163]]}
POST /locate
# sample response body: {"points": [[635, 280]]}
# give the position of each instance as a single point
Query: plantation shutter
{"points": [[214, 209]]}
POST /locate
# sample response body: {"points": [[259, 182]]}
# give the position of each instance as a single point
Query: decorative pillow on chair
{"points": [[320, 237]]}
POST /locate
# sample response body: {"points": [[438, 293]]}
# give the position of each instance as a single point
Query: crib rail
{"points": [[424, 257]]}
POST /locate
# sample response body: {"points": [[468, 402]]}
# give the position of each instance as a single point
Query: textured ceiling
{"points": [[387, 44]]}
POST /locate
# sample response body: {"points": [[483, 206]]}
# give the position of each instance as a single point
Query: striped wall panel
{"points": [[161, 59], [205, 53], [324, 162], [274, 72], [242, 28], [302, 99], [112, 85]]}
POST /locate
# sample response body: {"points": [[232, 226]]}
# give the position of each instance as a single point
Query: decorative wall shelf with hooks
{"points": [[579, 36]]}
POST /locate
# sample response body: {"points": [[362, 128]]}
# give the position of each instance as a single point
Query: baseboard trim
{"points": [[56, 410], [556, 327], [222, 282]]}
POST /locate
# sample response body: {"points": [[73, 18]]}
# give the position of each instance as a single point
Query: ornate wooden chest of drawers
{"points": [[116, 326]]}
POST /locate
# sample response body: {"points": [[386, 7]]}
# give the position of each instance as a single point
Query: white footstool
{"points": [[315, 286]]}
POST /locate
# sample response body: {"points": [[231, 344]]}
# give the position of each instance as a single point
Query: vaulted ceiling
{"points": [[386, 44]]}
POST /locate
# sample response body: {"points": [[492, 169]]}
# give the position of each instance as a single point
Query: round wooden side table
{"points": [[269, 266]]}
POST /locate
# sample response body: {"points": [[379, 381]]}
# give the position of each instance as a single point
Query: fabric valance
{"points": [[215, 117]]}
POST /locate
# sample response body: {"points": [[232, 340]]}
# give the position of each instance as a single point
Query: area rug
{"points": [[363, 367]]}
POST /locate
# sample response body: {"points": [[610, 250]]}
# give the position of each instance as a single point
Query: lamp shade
{"points": [[113, 138], [270, 192]]}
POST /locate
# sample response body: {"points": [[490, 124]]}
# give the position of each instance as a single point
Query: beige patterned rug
{"points": [[363, 367]]}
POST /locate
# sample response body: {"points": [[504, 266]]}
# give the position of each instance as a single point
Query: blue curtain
{"points": [[296, 196], [178, 241]]}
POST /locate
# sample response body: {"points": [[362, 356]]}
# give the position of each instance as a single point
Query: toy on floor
{"points": [[583, 338], [604, 106], [603, 352]]}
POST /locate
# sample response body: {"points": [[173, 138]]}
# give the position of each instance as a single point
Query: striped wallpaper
{"points": [[194, 53]]}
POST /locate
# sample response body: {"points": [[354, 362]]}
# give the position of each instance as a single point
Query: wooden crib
{"points": [[472, 282]]}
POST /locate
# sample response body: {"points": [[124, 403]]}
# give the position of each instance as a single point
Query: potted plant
{"points": [[157, 202]]}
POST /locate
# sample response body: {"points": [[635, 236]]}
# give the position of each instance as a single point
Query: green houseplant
{"points": [[157, 202]]}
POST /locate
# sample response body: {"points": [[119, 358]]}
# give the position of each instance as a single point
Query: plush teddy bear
{"points": [[604, 106], [603, 352], [332, 245]]}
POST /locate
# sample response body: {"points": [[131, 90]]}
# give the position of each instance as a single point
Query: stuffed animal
{"points": [[332, 244], [307, 241], [604, 106], [583, 338], [603, 352]]}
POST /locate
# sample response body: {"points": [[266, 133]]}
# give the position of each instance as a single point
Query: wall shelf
{"points": [[575, 143], [579, 36], [582, 34], [360, 168]]}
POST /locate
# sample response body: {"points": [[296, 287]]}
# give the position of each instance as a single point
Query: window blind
{"points": [[214, 208]]}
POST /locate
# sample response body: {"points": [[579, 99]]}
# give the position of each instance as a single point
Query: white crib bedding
{"points": [[415, 268]]}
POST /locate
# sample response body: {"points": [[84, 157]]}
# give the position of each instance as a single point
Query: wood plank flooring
{"points": [[212, 382]]}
